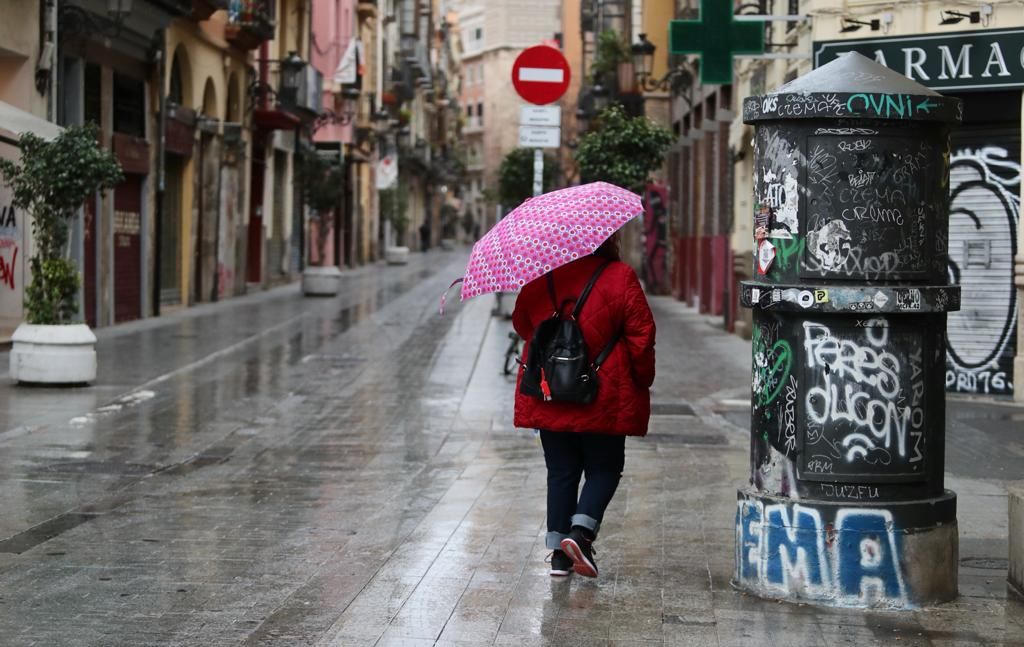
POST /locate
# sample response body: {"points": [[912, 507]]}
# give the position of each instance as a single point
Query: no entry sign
{"points": [[540, 74]]}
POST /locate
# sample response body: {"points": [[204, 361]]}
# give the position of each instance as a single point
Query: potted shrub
{"points": [[323, 185], [394, 205], [50, 182]]}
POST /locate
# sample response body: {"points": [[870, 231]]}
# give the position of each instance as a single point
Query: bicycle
{"points": [[513, 353]]}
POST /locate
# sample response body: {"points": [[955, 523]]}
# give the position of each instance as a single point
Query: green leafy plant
{"points": [[51, 182], [515, 176], [611, 50], [323, 187], [622, 150], [394, 207]]}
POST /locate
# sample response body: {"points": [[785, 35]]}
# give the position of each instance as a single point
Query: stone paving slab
{"points": [[353, 478]]}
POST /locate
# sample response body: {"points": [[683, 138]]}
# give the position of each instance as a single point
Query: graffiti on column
{"points": [[984, 213], [864, 399], [789, 550], [656, 239], [869, 216], [776, 183]]}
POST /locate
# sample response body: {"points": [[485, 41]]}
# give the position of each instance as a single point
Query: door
{"points": [[984, 182], [128, 249], [254, 248], [207, 226], [170, 232], [276, 258]]}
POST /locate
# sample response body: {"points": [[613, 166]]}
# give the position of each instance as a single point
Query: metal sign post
{"points": [[538, 171]]}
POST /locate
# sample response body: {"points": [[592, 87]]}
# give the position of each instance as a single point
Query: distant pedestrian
{"points": [[424, 237], [589, 439]]}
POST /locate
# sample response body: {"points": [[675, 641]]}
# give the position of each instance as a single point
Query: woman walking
{"points": [[588, 440]]}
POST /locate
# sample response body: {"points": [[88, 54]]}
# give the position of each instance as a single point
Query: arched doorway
{"points": [[177, 152]]}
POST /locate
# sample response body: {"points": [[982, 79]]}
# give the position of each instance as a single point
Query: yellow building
{"points": [[203, 227]]}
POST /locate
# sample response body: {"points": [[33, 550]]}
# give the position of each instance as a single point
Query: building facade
{"points": [[27, 81], [969, 52], [493, 34]]}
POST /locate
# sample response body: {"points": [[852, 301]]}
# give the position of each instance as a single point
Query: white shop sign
{"points": [[540, 116], [539, 137]]}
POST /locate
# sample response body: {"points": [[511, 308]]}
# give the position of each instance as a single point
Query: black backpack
{"points": [[557, 367]]}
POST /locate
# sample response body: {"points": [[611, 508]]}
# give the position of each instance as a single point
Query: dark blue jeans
{"points": [[568, 456]]}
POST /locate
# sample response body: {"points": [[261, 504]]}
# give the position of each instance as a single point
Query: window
{"points": [[129, 106], [480, 112], [469, 109], [93, 94], [478, 34]]}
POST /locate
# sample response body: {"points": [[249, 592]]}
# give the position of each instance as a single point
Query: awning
{"points": [[16, 121], [275, 119]]}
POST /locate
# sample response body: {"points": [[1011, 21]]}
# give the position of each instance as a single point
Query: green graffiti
{"points": [[772, 366], [787, 250], [888, 105]]}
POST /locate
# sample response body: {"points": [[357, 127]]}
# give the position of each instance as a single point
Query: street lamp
{"points": [[402, 136], [601, 98], [643, 61], [292, 71], [643, 56], [118, 10]]}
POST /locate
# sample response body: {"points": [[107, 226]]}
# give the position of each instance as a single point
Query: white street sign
{"points": [[540, 116], [540, 137]]}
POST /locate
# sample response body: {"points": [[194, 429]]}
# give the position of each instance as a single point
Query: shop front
{"points": [[985, 69]]}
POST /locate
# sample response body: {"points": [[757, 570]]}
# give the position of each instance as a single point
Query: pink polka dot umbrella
{"points": [[545, 232]]}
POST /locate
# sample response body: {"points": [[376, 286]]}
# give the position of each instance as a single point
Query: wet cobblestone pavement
{"points": [[285, 471]]}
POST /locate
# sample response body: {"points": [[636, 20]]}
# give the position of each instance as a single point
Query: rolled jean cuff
{"points": [[586, 521], [553, 540]]}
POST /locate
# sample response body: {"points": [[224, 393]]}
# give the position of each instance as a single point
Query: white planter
{"points": [[53, 354], [396, 255], [321, 281], [447, 243]]}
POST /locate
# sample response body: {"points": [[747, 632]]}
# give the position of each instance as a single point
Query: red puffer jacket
{"points": [[616, 302]]}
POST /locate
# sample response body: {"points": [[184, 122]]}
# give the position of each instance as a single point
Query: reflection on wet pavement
{"points": [[281, 471]]}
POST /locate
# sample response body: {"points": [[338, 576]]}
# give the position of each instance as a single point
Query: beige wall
{"points": [[19, 51]]}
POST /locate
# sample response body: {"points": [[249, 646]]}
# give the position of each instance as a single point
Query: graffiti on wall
{"points": [[229, 216], [10, 240], [788, 550], [984, 214], [12, 253]]}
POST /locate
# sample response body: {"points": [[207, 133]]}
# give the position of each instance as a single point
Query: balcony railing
{"points": [[250, 22]]}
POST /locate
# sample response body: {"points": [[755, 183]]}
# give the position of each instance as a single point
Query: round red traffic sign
{"points": [[540, 74]]}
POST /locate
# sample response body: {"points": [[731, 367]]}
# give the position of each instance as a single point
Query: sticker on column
{"points": [[765, 256]]}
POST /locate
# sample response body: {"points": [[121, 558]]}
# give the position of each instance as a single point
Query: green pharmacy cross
{"points": [[717, 36]]}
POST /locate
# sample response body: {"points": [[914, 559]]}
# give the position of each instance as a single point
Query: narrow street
{"points": [[280, 470]]}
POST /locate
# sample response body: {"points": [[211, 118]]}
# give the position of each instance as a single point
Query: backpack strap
{"points": [[551, 291], [606, 351], [586, 290]]}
